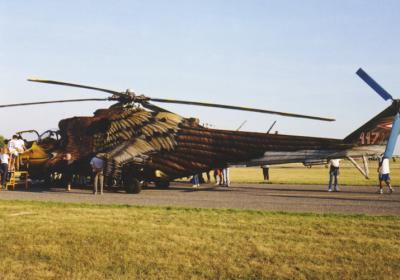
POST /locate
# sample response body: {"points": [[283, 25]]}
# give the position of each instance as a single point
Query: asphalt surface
{"points": [[290, 198]]}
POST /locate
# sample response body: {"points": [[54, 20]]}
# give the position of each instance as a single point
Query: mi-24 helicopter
{"points": [[143, 142]]}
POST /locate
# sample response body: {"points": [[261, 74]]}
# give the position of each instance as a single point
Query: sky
{"points": [[293, 56]]}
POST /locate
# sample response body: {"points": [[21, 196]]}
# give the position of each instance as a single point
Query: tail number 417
{"points": [[369, 138]]}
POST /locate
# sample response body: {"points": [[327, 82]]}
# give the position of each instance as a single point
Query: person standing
{"points": [[196, 181], [20, 147], [217, 176], [12, 148], [384, 174], [225, 177], [208, 176], [67, 173], [4, 160], [333, 174], [97, 164], [265, 169]]}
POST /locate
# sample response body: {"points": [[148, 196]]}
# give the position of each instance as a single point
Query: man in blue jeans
{"points": [[196, 181], [333, 174], [4, 159]]}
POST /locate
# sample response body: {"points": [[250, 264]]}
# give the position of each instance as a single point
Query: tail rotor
{"points": [[395, 130]]}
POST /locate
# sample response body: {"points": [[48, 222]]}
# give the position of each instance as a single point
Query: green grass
{"points": [[76, 241], [317, 175]]}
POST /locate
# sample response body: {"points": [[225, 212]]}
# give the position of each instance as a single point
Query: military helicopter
{"points": [[143, 142]]}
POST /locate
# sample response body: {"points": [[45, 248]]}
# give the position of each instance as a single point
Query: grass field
{"points": [[72, 241], [317, 175]]}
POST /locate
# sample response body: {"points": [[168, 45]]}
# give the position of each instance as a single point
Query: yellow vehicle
{"points": [[39, 150]]}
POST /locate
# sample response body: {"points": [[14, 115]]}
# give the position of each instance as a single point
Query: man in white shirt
{"points": [[97, 164], [265, 169], [12, 145], [384, 174], [333, 174], [20, 145], [12, 148]]}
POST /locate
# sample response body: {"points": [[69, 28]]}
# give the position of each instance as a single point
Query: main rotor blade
{"points": [[240, 108], [52, 102], [74, 85], [153, 107], [373, 84]]}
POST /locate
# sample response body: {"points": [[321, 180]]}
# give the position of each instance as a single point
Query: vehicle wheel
{"points": [[132, 185], [162, 184]]}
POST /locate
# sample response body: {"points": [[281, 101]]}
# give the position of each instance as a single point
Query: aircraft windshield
{"points": [[29, 136], [49, 134]]}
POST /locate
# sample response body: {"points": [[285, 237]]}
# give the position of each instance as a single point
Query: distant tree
{"points": [[2, 141]]}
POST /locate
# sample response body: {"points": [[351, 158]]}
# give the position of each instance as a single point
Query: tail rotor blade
{"points": [[373, 84], [394, 133]]}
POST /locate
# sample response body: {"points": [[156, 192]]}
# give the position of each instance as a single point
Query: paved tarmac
{"points": [[290, 198]]}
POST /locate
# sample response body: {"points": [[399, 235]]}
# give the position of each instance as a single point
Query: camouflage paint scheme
{"points": [[142, 142]]}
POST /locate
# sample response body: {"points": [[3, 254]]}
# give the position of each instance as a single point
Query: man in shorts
{"points": [[384, 174], [265, 170]]}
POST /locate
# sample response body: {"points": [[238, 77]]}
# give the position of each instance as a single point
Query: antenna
{"points": [[240, 126], [271, 127]]}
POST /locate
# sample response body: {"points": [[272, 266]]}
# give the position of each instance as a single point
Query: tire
{"points": [[132, 185]]}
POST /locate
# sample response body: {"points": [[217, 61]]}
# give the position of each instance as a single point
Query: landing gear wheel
{"points": [[132, 185], [162, 184]]}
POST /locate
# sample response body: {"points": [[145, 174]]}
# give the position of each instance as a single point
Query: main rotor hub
{"points": [[129, 96], [130, 92]]}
